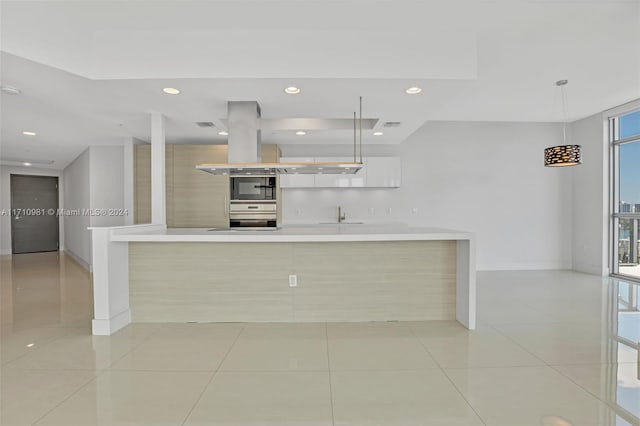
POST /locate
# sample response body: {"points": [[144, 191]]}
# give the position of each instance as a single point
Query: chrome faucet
{"points": [[341, 215]]}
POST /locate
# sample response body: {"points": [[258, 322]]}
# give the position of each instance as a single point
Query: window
{"points": [[624, 131]]}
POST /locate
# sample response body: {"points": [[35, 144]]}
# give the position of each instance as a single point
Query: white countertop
{"points": [[290, 233]]}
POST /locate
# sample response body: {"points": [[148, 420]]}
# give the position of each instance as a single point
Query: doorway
{"points": [[34, 214]]}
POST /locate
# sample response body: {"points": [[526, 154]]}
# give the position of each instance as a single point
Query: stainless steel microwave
{"points": [[253, 188]]}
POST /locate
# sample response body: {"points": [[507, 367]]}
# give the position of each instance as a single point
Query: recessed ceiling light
{"points": [[30, 345], [301, 133], [10, 90], [223, 133], [378, 133], [171, 91], [292, 90], [27, 164], [413, 90], [29, 133]]}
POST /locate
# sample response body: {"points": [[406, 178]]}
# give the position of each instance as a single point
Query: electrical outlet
{"points": [[389, 211], [293, 281], [299, 212], [371, 211], [414, 211]]}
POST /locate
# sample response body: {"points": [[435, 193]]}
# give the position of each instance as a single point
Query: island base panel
{"points": [[249, 282]]}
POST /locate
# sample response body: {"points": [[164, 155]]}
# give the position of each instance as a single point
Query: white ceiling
{"points": [[92, 71]]}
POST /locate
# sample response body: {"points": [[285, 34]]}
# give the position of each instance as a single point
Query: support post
{"points": [[158, 181]]}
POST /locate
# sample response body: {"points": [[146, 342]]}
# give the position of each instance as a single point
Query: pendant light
{"points": [[566, 154]]}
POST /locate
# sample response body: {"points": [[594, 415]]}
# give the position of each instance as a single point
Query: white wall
{"points": [[5, 200], [488, 178], [591, 198], [93, 181], [77, 190], [106, 184]]}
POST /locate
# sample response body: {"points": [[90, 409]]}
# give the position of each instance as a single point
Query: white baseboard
{"points": [[5, 252], [533, 266], [78, 259], [106, 327], [590, 269]]}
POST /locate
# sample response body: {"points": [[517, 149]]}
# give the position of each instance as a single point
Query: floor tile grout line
{"points": [[415, 336], [326, 332], [463, 397], [93, 379], [518, 344], [133, 348], [607, 403], [447, 376], [213, 375]]}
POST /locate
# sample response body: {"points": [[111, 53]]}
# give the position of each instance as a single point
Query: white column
{"points": [[158, 182]]}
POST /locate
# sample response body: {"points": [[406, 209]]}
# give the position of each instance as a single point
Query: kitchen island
{"points": [[314, 273]]}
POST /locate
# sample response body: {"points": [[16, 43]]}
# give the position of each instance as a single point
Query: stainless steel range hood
{"points": [[244, 149]]}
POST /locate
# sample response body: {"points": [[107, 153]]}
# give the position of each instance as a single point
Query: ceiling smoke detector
{"points": [[205, 124]]}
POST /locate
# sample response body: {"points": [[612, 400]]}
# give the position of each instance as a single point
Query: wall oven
{"points": [[253, 215], [253, 188]]}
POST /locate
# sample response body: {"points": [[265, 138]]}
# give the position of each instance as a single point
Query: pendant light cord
{"points": [[565, 113]]}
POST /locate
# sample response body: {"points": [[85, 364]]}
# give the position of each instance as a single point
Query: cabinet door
{"points": [[383, 172], [200, 199], [142, 183], [297, 181], [270, 153]]}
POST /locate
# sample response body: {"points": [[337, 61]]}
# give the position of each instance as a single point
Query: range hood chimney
{"points": [[244, 132]]}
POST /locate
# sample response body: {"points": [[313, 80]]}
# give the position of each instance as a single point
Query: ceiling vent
{"points": [[391, 124], [205, 124]]}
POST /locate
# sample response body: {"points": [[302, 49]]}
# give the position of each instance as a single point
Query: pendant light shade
{"points": [[563, 155]]}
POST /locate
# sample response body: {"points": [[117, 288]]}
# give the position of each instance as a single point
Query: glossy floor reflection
{"points": [[552, 348]]}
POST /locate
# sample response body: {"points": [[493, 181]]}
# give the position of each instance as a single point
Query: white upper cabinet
{"points": [[383, 172], [377, 172]]}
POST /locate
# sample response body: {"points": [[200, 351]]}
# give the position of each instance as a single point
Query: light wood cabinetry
{"points": [[270, 153], [199, 199], [195, 199], [142, 183]]}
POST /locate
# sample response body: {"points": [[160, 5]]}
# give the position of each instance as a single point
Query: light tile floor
{"points": [[552, 348]]}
